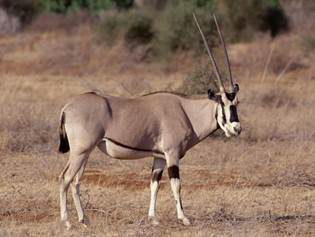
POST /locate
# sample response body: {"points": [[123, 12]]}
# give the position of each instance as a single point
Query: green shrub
{"points": [[241, 19], [273, 18], [123, 4], [172, 28], [134, 25], [65, 6], [139, 29], [176, 29]]}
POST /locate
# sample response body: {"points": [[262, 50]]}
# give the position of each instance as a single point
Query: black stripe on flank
{"points": [[91, 92], [173, 172], [133, 148]]}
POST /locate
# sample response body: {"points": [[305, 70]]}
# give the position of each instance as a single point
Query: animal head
{"points": [[226, 114]]}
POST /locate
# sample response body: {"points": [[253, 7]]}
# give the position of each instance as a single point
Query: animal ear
{"points": [[212, 95], [236, 88]]}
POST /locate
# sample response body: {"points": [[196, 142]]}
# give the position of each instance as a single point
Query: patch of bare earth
{"points": [[260, 184]]}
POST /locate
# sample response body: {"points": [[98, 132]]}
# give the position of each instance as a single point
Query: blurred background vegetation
{"points": [[160, 27], [166, 24]]}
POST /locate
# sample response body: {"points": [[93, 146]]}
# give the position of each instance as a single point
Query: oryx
{"points": [[162, 125]]}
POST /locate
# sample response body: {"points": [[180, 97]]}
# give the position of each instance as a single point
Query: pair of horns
{"points": [[214, 64]]}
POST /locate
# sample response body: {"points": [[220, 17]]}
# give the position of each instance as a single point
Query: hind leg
{"points": [[75, 163], [157, 170], [75, 187]]}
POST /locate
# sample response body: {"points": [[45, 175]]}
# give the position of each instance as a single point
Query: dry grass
{"points": [[261, 184]]}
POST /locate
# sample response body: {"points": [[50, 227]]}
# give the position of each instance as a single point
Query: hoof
{"points": [[185, 221], [85, 222], [154, 220], [67, 224]]}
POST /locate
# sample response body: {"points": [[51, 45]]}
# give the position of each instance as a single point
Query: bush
{"points": [[65, 6], [273, 19], [199, 81], [171, 28], [135, 26], [241, 19], [176, 29], [123, 4], [27, 130], [25, 10], [139, 29]]}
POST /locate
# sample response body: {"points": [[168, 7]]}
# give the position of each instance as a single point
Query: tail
{"points": [[64, 142]]}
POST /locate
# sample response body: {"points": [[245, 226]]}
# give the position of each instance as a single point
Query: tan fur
{"points": [[159, 122], [160, 125]]}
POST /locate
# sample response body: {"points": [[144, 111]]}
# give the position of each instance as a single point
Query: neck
{"points": [[202, 116]]}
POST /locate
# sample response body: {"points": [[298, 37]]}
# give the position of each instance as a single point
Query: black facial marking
{"points": [[223, 114], [173, 172], [233, 111], [157, 175], [230, 96]]}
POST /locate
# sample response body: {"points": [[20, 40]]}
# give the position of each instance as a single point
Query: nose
{"points": [[238, 130]]}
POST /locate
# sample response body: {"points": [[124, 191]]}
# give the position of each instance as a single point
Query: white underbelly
{"points": [[121, 152]]}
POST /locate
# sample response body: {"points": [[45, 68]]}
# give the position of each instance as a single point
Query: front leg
{"points": [[173, 172]]}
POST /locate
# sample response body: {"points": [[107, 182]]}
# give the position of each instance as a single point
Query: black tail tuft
{"points": [[64, 142]]}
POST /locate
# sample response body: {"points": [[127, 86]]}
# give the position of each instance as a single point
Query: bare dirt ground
{"points": [[260, 184]]}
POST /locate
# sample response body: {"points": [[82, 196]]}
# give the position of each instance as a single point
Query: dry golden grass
{"points": [[260, 184]]}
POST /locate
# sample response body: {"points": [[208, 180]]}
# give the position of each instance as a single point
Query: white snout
{"points": [[232, 129], [236, 128]]}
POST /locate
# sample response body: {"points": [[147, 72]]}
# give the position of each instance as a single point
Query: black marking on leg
{"points": [[173, 172], [180, 202], [157, 175]]}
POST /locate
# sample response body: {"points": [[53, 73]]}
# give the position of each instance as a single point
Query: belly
{"points": [[121, 151]]}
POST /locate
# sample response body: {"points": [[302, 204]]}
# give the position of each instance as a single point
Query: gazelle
{"points": [[161, 125]]}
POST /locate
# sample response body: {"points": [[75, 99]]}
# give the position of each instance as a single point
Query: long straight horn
{"points": [[214, 64], [227, 60]]}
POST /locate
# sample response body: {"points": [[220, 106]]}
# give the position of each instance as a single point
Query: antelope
{"points": [[160, 125]]}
